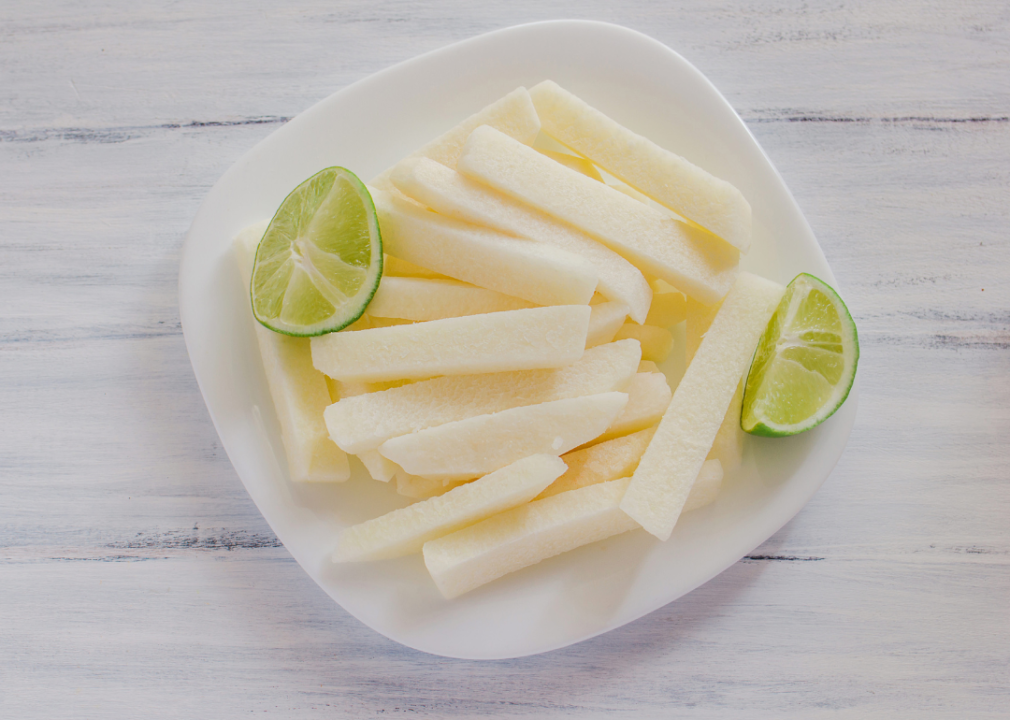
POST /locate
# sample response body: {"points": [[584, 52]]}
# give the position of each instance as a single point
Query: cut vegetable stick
{"points": [[706, 486], [660, 174], [513, 115], [525, 535], [647, 366], [482, 444], [421, 488], [605, 461], [364, 423], [353, 389], [395, 267], [727, 447], [658, 245], [618, 458], [420, 299], [604, 322], [663, 479], [576, 163], [449, 193], [405, 530], [299, 391], [513, 340], [668, 308], [536, 272], [649, 395], [378, 322], [377, 466], [630, 192], [656, 342], [699, 318]]}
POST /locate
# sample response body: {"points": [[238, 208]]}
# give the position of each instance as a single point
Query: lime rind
{"points": [[805, 364], [320, 260]]}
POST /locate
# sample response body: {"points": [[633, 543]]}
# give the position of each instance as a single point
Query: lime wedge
{"points": [[804, 366], [320, 260]]}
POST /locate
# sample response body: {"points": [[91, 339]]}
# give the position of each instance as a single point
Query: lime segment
{"points": [[805, 363], [320, 260]]}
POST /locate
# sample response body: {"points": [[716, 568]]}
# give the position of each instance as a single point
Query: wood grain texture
{"points": [[136, 576]]}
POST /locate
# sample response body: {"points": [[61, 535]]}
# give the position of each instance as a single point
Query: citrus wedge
{"points": [[320, 260], [805, 363]]}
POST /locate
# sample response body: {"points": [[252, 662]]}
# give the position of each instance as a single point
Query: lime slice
{"points": [[804, 366], [320, 260]]}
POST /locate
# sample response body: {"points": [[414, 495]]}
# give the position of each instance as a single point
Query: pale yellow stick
{"points": [[658, 245], [405, 530], [495, 342], [663, 479], [660, 174], [299, 391]]}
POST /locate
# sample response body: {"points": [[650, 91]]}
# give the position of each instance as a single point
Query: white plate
{"points": [[369, 126]]}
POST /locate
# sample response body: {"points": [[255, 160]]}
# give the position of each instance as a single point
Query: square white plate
{"points": [[368, 127]]}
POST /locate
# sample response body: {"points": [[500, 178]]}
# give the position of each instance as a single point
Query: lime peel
{"points": [[320, 260], [804, 364]]}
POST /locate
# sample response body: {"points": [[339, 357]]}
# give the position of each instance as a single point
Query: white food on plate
{"points": [[539, 273], [405, 530], [548, 526], [664, 176], [482, 444], [690, 259], [525, 535], [377, 466], [727, 447], [420, 299], [598, 463], [649, 395], [667, 309], [512, 386], [685, 435], [447, 192], [604, 322], [420, 488], [706, 486], [298, 390], [546, 337], [656, 342], [366, 421]]}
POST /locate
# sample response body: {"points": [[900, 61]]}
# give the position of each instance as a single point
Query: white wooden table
{"points": [[137, 578]]}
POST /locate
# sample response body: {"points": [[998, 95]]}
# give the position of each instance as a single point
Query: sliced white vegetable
{"points": [[525, 535], [727, 447], [405, 530], [664, 176], [482, 444], [656, 342], [532, 271], [616, 458], [685, 435], [604, 322], [449, 193], [706, 486], [649, 395], [377, 466], [661, 246], [420, 299], [365, 422], [299, 391], [545, 337]]}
